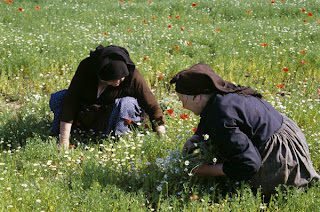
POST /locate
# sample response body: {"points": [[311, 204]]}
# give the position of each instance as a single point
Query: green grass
{"points": [[41, 49]]}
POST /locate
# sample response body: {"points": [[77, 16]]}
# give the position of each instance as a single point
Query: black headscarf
{"points": [[114, 70], [201, 79], [108, 62]]}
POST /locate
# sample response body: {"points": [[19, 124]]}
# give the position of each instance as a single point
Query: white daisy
{"points": [[205, 137]]}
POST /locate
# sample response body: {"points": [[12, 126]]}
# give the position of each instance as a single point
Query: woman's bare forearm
{"points": [[209, 170], [65, 129]]}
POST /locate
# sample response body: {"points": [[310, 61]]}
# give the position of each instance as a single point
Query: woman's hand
{"points": [[63, 144], [189, 145], [161, 130]]}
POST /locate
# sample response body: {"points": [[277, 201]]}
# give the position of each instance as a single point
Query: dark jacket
{"points": [[238, 126], [84, 85]]}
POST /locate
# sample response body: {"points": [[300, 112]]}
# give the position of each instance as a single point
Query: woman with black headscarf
{"points": [[246, 136], [106, 94]]}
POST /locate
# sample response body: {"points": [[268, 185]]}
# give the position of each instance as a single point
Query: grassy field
{"points": [[272, 46]]}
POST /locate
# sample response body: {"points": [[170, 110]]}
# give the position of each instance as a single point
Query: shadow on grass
{"points": [[18, 128], [147, 180], [219, 190]]}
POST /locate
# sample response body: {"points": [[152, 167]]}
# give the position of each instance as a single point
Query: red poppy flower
{"points": [[310, 14], [182, 28], [272, 2], [105, 33], [194, 5], [169, 26], [303, 62], [128, 30], [170, 112], [249, 11], [188, 43], [160, 76], [177, 16], [280, 85], [304, 20], [146, 126], [37, 7], [204, 19], [9, 2], [153, 18], [121, 0], [144, 20], [72, 146], [194, 130], [184, 116], [20, 9], [176, 47], [302, 51], [128, 121], [264, 44], [303, 10], [149, 1], [195, 197], [285, 69], [145, 58]]}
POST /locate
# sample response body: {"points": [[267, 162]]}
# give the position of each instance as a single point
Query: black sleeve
{"points": [[242, 158], [146, 98], [71, 101]]}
